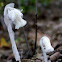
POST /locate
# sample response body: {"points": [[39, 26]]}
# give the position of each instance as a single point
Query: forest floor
{"points": [[49, 24], [50, 28]]}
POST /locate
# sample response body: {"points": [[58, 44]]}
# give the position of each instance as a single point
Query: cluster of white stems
{"points": [[14, 16]]}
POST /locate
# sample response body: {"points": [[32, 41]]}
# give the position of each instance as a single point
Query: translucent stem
{"points": [[14, 48], [44, 53]]}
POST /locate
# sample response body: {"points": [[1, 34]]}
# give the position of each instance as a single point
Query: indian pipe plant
{"points": [[46, 47], [13, 16]]}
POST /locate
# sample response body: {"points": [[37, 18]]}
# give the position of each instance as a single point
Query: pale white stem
{"points": [[44, 53], [14, 48], [49, 60]]}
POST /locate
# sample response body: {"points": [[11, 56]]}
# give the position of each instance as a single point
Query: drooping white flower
{"points": [[12, 15], [46, 44], [15, 16]]}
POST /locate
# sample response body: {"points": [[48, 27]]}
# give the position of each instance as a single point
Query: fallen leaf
{"points": [[3, 43]]}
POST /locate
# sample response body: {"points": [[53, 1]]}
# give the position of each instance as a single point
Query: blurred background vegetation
{"points": [[26, 5], [48, 10]]}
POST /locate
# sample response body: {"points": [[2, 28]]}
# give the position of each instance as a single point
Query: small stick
{"points": [[26, 38], [35, 45]]}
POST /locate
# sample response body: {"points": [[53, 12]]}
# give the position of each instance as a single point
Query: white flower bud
{"points": [[46, 44], [15, 16]]}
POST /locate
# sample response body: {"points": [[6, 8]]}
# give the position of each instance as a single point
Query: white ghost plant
{"points": [[13, 16], [45, 41], [16, 17]]}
